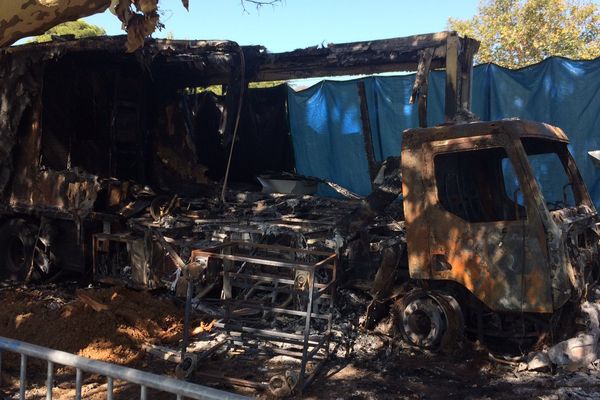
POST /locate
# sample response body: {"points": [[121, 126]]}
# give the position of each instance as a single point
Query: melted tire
{"points": [[20, 260], [17, 239]]}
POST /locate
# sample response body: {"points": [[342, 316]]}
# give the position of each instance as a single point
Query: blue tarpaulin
{"points": [[327, 131]]}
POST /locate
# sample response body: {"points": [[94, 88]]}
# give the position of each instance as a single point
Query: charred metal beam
{"points": [[421, 86], [459, 68], [399, 54], [452, 78], [366, 129]]}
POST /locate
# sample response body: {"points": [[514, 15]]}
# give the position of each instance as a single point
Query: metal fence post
{"points": [[78, 384], [109, 388], [23, 377], [49, 380]]}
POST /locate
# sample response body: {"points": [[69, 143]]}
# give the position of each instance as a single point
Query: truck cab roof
{"points": [[517, 128]]}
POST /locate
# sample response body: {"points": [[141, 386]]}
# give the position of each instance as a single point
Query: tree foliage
{"points": [[79, 29], [140, 18], [516, 33]]}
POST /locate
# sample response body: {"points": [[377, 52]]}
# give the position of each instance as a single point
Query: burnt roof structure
{"points": [[205, 62], [165, 66]]}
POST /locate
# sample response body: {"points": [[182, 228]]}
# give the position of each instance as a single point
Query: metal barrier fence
{"points": [[145, 380]]}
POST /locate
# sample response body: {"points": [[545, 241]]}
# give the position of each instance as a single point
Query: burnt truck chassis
{"points": [[87, 199]]}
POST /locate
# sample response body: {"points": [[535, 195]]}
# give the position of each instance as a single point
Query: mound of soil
{"points": [[107, 324]]}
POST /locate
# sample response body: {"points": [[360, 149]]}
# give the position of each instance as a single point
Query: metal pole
{"points": [[311, 289], [49, 380], [109, 388], [186, 319], [78, 384], [143, 393], [23, 377]]}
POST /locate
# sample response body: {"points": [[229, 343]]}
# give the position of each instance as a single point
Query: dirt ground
{"points": [[114, 323], [61, 318]]}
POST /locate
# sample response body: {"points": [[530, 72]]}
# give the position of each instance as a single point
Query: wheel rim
{"points": [[423, 322], [429, 320]]}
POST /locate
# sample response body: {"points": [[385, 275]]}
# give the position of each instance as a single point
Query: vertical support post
{"points": [[451, 103], [49, 380], [78, 384], [143, 393], [23, 377], [186, 317], [109, 388], [226, 292], [421, 85], [311, 289], [331, 302], [469, 48], [234, 98], [366, 128]]}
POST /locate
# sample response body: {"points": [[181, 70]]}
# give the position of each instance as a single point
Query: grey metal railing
{"points": [[145, 380]]}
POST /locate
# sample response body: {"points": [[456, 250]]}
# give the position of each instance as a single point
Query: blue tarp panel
{"points": [[327, 133]]}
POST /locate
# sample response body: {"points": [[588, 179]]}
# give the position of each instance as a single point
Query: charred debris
{"points": [[125, 164], [96, 140]]}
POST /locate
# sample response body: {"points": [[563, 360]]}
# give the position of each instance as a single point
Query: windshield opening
{"points": [[549, 162]]}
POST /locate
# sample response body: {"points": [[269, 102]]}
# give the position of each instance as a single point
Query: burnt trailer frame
{"points": [[67, 197]]}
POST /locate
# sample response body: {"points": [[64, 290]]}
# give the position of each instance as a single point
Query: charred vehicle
{"points": [[483, 232]]}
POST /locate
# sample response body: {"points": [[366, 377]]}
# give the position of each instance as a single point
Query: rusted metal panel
{"points": [[516, 128], [71, 191], [68, 192]]}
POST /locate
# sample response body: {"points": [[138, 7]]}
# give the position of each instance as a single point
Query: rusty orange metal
{"points": [[519, 263]]}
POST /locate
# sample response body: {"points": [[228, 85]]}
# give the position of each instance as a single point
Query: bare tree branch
{"points": [[258, 3]]}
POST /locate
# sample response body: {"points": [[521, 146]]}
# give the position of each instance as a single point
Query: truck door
{"points": [[481, 225]]}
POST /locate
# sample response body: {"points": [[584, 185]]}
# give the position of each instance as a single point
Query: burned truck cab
{"points": [[499, 219]]}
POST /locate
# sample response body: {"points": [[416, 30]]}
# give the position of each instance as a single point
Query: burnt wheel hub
{"points": [[429, 319], [423, 322]]}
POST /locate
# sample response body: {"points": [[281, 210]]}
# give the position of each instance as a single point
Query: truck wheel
{"points": [[17, 249], [429, 320]]}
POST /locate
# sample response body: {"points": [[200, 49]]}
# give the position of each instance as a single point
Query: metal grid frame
{"points": [[313, 347]]}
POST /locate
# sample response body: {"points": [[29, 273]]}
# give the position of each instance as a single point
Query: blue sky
{"points": [[301, 23]]}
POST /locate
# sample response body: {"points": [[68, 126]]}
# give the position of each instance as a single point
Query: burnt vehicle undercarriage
{"points": [[126, 164]]}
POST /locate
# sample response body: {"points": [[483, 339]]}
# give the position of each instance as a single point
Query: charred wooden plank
{"points": [[399, 54], [421, 85], [366, 129]]}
